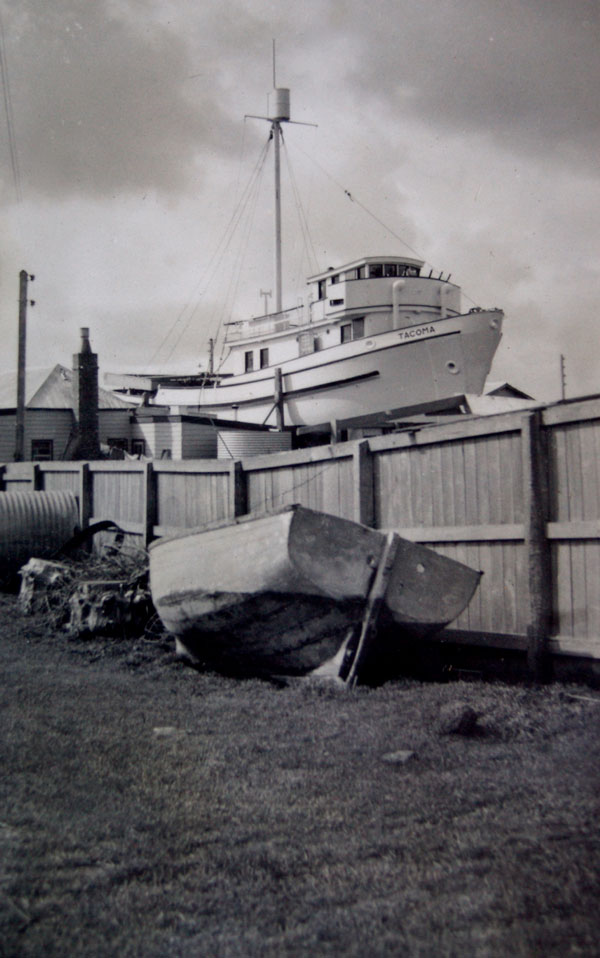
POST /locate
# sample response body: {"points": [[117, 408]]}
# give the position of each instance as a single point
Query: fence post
{"points": [[238, 500], [85, 494], [37, 477], [149, 503], [362, 483], [535, 497]]}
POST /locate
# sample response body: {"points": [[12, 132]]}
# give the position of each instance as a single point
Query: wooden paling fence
{"points": [[516, 495]]}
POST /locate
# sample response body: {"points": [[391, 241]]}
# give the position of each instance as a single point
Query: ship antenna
{"points": [[280, 110]]}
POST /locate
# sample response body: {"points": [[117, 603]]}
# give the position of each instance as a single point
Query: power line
{"points": [[10, 123]]}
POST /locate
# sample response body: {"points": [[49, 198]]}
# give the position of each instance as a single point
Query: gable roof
{"points": [[51, 388], [504, 389]]}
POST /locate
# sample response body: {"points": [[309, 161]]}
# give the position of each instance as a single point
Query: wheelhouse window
{"points": [[353, 330], [321, 288], [42, 450], [248, 361], [390, 270], [264, 358]]}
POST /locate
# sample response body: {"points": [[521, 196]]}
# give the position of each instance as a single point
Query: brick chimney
{"points": [[85, 400]]}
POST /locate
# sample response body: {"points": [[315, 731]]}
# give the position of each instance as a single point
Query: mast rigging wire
{"points": [[308, 244], [388, 229], [220, 251]]}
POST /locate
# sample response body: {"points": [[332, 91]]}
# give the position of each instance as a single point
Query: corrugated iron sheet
{"points": [[237, 443], [34, 524]]}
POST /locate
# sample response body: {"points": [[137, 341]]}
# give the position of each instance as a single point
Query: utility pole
{"points": [[563, 378], [24, 277]]}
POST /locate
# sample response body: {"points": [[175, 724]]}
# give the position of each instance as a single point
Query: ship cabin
{"points": [[362, 299]]}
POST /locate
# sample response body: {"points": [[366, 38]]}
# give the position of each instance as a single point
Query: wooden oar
{"points": [[373, 605]]}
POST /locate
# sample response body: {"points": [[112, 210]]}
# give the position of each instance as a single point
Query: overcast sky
{"points": [[468, 128]]}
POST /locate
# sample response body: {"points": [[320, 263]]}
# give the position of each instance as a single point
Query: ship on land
{"points": [[378, 337]]}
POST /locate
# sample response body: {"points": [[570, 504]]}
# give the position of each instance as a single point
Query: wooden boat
{"points": [[298, 591]]}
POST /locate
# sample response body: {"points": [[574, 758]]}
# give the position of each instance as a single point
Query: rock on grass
{"points": [[457, 718]]}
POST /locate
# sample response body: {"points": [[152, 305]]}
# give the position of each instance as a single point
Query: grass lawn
{"points": [[149, 810]]}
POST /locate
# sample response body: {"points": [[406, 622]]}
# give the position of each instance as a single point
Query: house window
{"points": [[138, 447], [264, 358], [248, 361], [42, 450], [118, 444]]}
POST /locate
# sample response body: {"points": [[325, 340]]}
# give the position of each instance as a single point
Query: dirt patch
{"points": [[150, 810]]}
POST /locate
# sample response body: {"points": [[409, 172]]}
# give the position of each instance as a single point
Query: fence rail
{"points": [[516, 495]]}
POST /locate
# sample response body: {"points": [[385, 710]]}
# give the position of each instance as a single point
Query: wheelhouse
{"points": [[356, 301]]}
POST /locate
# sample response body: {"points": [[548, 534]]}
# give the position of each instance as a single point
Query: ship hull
{"points": [[407, 368]]}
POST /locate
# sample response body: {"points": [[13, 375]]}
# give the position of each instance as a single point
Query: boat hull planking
{"points": [[280, 593]]}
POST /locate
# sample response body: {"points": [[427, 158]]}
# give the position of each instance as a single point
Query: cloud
{"points": [[102, 104], [525, 71]]}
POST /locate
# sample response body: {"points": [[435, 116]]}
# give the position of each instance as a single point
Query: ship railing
{"points": [[265, 325]]}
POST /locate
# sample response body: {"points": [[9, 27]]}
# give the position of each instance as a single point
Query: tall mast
{"points": [[276, 131], [279, 110]]}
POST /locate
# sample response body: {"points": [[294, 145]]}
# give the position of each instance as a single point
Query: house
{"points": [[50, 419], [124, 428]]}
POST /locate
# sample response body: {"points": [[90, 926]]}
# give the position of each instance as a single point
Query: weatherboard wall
{"points": [[469, 489]]}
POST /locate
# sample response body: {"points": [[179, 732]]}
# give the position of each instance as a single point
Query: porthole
{"points": [[452, 367]]}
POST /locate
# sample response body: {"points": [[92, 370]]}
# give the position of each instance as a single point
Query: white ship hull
{"points": [[417, 366]]}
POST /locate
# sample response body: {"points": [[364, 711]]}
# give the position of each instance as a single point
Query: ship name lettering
{"points": [[417, 332]]}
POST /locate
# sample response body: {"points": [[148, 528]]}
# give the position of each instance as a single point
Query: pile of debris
{"points": [[104, 593]]}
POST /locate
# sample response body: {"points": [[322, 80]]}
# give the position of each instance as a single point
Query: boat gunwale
{"points": [[215, 524]]}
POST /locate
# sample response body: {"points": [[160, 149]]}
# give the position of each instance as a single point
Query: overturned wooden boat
{"points": [[297, 591]]}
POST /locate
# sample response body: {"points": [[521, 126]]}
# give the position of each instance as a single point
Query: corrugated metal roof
{"points": [[51, 388]]}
